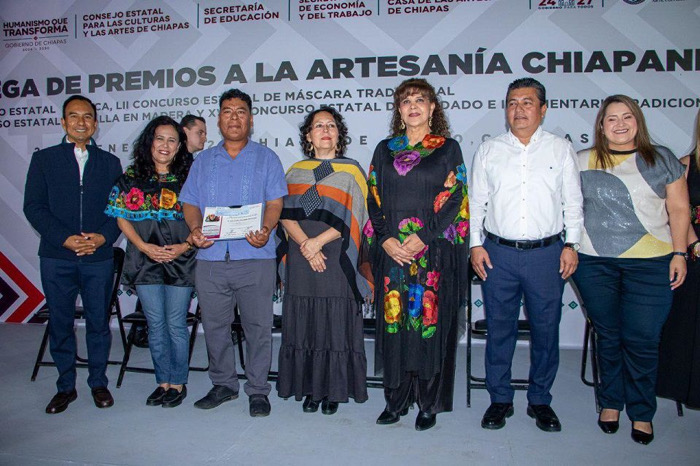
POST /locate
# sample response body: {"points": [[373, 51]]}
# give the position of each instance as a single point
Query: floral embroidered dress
{"points": [[154, 210], [419, 189]]}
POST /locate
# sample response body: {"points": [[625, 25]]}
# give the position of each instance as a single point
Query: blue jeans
{"points": [[628, 301], [62, 281], [166, 308]]}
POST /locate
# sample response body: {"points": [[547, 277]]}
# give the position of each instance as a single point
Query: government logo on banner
{"points": [[36, 34]]}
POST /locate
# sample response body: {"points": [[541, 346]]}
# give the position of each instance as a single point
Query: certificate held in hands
{"points": [[221, 223]]}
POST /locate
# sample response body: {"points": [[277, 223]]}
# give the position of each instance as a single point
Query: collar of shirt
{"points": [[220, 150], [516, 142]]}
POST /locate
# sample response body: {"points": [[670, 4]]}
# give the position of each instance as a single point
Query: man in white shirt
{"points": [[524, 192]]}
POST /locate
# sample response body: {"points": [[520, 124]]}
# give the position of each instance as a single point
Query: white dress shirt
{"points": [[81, 156], [525, 192]]}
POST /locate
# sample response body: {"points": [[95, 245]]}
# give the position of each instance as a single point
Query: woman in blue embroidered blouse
{"points": [[159, 255]]}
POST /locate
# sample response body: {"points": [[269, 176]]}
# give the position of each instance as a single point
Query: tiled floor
{"points": [[132, 433]]}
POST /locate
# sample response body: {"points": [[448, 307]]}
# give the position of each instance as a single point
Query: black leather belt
{"points": [[524, 244]]}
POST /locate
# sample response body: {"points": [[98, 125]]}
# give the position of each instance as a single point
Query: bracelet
{"points": [[189, 246]]}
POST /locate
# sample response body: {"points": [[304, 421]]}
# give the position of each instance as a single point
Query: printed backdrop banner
{"points": [[139, 59]]}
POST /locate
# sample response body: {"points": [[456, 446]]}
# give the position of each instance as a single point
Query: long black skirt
{"points": [[679, 351], [322, 353]]}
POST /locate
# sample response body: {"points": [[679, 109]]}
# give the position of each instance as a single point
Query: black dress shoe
{"points": [[609, 427], [173, 398], [642, 437], [495, 416], [425, 421], [329, 407], [259, 405], [102, 397], [387, 417], [217, 395], [310, 406], [60, 402], [545, 417], [156, 398]]}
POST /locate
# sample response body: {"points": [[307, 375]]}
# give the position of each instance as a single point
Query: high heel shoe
{"points": [[609, 427], [643, 437]]}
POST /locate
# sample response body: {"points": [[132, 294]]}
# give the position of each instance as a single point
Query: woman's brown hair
{"points": [[642, 140], [439, 126]]}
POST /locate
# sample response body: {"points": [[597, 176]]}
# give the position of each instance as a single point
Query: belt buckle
{"points": [[519, 244]]}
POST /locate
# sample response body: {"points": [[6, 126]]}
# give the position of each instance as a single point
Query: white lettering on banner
{"points": [[233, 9], [174, 58], [577, 62]]}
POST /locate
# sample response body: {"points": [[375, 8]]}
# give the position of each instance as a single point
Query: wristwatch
{"points": [[677, 253], [574, 246]]}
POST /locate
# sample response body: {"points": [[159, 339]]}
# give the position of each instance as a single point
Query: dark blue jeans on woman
{"points": [[166, 307], [628, 301]]}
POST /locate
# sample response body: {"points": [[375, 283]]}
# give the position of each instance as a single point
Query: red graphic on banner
{"points": [[34, 297]]}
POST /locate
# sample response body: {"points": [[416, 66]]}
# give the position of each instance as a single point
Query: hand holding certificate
{"points": [[236, 222]]}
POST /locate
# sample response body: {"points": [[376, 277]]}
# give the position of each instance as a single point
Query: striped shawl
{"points": [[333, 192]]}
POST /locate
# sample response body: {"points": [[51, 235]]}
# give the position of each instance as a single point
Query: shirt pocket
{"points": [[546, 173]]}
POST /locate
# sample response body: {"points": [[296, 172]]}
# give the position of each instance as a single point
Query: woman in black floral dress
{"points": [[419, 211]]}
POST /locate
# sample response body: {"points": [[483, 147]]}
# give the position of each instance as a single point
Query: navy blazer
{"points": [[57, 205]]}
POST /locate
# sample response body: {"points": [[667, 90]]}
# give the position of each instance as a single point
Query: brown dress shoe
{"points": [[102, 397], [60, 402]]}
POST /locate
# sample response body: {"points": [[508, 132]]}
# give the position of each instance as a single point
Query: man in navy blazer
{"points": [[64, 199]]}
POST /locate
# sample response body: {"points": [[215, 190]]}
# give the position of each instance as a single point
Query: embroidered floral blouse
{"points": [[155, 212]]}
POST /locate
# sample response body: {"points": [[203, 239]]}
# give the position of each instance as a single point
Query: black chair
{"points": [[369, 328], [478, 329], [137, 319], [590, 344], [114, 310]]}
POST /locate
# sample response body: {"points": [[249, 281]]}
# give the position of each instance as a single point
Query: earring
{"points": [[337, 149], [430, 122], [310, 149], [403, 125]]}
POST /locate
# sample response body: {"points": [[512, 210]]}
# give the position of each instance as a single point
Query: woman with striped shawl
{"points": [[322, 357]]}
